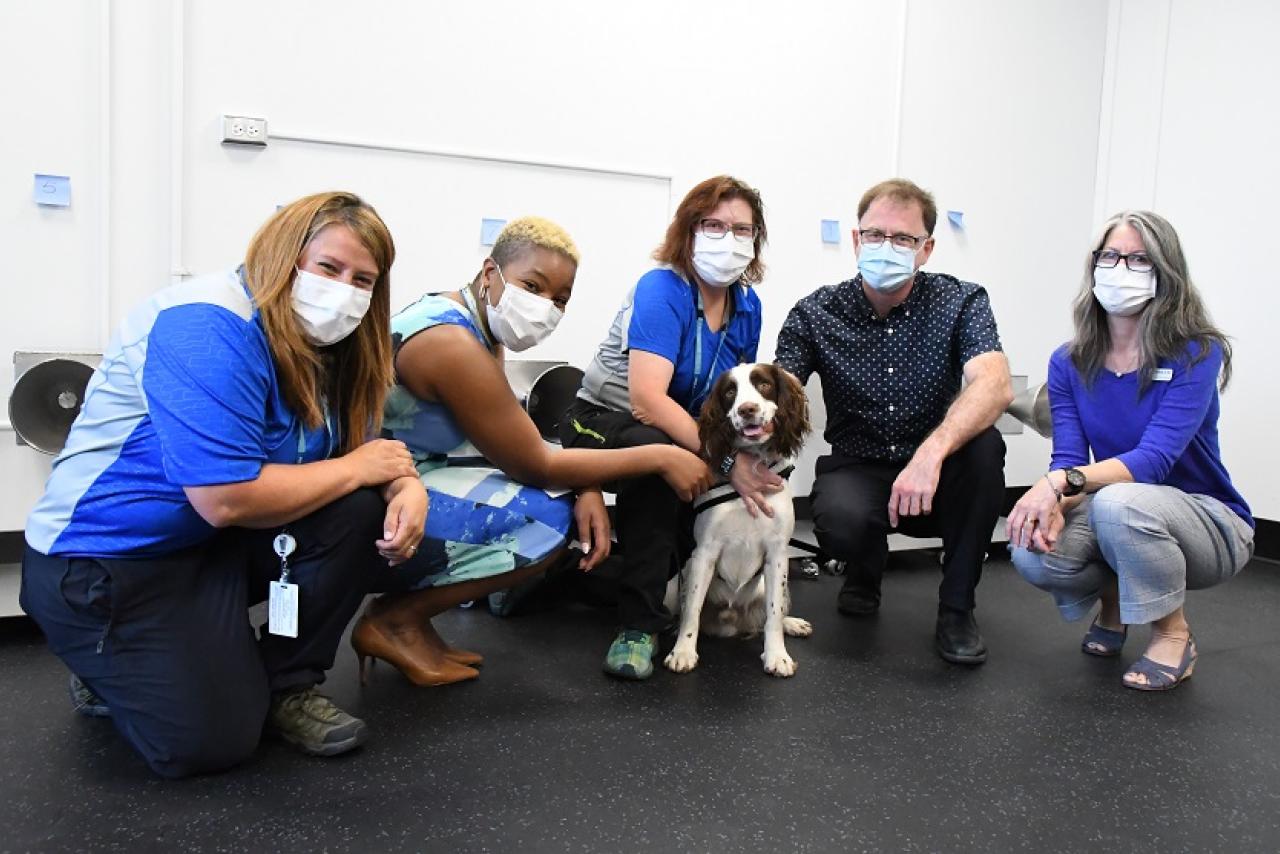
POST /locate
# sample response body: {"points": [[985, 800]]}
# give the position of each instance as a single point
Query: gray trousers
{"points": [[1157, 541]]}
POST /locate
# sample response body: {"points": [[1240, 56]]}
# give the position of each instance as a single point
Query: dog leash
{"points": [[725, 491]]}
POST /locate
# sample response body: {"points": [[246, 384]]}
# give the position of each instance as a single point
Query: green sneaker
{"points": [[631, 654], [311, 722], [84, 701]]}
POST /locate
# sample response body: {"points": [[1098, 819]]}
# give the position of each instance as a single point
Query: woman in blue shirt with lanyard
{"points": [[1154, 514], [682, 325], [224, 444]]}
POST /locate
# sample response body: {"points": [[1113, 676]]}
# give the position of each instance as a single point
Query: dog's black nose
{"points": [[746, 410]]}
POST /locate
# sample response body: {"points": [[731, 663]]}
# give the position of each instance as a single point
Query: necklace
{"points": [[1130, 364]]}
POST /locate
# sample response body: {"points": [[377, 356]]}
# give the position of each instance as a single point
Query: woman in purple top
{"points": [[1155, 514]]}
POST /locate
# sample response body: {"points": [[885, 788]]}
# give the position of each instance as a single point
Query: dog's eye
{"points": [[764, 386], [730, 393]]}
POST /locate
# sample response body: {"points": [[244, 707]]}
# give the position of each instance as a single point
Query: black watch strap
{"points": [[1075, 482], [726, 465]]}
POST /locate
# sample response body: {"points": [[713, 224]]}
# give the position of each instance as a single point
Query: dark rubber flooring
{"points": [[875, 744]]}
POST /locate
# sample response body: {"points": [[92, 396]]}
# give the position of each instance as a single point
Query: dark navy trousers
{"points": [[850, 502], [166, 641]]}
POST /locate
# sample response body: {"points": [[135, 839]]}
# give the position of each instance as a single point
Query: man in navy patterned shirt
{"points": [[913, 448]]}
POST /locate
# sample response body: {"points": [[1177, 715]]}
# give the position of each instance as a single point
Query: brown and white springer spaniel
{"points": [[739, 566]]}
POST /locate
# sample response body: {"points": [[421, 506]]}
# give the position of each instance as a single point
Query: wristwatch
{"points": [[1075, 482], [726, 465]]}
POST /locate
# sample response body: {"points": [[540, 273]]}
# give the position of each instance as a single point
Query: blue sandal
{"points": [[1104, 643], [1162, 677]]}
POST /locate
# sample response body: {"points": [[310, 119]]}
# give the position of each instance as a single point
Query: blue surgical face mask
{"points": [[884, 268]]}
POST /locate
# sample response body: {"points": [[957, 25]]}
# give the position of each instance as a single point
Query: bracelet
{"points": [[1049, 481]]}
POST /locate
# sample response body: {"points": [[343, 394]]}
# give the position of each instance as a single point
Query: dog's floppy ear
{"points": [[791, 421], [715, 430]]}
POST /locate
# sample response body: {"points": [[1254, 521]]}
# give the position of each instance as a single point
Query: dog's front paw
{"points": [[779, 664], [796, 627], [681, 660]]}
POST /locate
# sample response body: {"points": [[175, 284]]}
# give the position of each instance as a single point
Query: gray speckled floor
{"points": [[876, 744]]}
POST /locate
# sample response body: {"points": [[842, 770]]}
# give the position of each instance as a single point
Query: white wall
{"points": [[994, 104], [1193, 134]]}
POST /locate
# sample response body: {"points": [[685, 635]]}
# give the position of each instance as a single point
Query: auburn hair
{"points": [[351, 378], [677, 247]]}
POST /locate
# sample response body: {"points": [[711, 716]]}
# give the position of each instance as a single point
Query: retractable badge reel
{"points": [[282, 603]]}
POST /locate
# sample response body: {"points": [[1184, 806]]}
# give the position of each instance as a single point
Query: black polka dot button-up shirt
{"points": [[887, 381]]}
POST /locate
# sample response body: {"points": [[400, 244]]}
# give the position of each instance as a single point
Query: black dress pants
{"points": [[654, 527], [166, 641], [850, 501]]}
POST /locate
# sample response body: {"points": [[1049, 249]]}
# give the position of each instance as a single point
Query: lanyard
{"points": [[701, 382], [328, 430]]}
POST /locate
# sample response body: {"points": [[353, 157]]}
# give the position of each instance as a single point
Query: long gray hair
{"points": [[1172, 320]]}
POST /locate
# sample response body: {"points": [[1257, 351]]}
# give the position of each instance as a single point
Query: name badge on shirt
{"points": [[1162, 375]]}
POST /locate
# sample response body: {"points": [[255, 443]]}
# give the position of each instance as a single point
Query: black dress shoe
{"points": [[858, 602], [957, 637]]}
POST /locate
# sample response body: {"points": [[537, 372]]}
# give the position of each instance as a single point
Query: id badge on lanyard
{"points": [[282, 596], [282, 599]]}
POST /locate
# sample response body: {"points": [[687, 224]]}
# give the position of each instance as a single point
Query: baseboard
{"points": [[1266, 539], [801, 505], [12, 546]]}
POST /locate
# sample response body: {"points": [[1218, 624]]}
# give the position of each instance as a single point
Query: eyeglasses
{"points": [[715, 229], [1138, 262], [902, 242]]}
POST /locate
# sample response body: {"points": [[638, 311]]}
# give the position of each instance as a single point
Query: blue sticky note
{"points": [[52, 190], [489, 230], [831, 231], [956, 218]]}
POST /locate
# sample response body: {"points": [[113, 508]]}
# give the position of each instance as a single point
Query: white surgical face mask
{"points": [[1121, 291], [328, 310], [884, 268], [520, 319], [721, 261]]}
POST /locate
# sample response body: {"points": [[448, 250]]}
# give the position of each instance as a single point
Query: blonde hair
{"points": [[353, 376], [530, 231]]}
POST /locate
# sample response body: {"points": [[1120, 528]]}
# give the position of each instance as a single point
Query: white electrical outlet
{"points": [[243, 130]]}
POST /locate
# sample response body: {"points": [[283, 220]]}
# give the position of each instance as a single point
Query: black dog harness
{"points": [[725, 491]]}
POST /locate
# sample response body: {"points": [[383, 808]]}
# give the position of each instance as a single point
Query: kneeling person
{"points": [[227, 410], [911, 451]]}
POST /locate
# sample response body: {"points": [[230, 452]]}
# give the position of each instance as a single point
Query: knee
{"points": [[649, 492], [1117, 507], [983, 460], [364, 508], [1031, 567], [843, 533], [210, 742]]}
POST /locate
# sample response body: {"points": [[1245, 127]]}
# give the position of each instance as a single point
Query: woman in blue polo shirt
{"points": [[1155, 513], [227, 432], [683, 324]]}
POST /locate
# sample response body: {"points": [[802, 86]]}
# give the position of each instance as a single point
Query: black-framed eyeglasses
{"points": [[900, 241], [716, 229], [1138, 262]]}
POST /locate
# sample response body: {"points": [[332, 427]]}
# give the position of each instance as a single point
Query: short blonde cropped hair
{"points": [[527, 232]]}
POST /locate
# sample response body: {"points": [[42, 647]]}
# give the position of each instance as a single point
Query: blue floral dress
{"points": [[482, 522]]}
